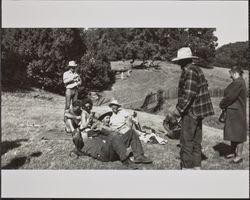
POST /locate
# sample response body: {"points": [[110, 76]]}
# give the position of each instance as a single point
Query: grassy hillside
{"points": [[33, 137], [132, 90]]}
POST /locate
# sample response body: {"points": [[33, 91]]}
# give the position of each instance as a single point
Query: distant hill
{"points": [[232, 54]]}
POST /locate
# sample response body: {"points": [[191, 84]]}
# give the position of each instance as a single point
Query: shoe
{"points": [[231, 155], [142, 159], [236, 161], [129, 164]]}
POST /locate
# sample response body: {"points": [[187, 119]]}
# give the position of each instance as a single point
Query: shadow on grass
{"points": [[223, 149], [8, 145], [17, 162]]}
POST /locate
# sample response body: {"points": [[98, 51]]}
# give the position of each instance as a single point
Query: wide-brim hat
{"points": [[184, 53], [114, 102], [72, 63], [102, 116]]}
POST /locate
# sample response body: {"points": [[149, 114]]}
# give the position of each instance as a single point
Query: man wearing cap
{"points": [[194, 104], [71, 80]]}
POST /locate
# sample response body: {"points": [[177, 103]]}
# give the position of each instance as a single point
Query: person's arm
{"points": [[190, 90], [84, 121], [79, 81], [70, 116], [231, 96], [68, 78]]}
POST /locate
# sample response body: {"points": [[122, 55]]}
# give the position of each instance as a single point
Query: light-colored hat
{"points": [[72, 63], [184, 53], [114, 102]]}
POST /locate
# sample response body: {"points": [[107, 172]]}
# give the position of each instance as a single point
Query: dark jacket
{"points": [[234, 101]]}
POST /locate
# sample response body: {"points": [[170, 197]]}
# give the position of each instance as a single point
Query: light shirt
{"points": [[118, 121], [70, 76]]}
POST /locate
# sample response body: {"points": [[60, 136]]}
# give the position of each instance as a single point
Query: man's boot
{"points": [[142, 159], [129, 164]]}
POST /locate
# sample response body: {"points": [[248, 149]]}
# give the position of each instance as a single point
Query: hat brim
{"points": [[190, 57], [109, 113], [111, 104]]}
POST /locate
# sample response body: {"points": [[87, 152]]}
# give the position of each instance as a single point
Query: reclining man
{"points": [[121, 121], [108, 145]]}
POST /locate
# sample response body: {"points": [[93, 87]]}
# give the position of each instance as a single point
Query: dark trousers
{"points": [[190, 141], [116, 146], [70, 95]]}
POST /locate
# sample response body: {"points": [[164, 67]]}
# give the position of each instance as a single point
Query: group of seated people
{"points": [[108, 136]]}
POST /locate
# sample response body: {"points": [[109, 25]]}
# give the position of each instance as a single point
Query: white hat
{"points": [[72, 63], [184, 53], [114, 102]]}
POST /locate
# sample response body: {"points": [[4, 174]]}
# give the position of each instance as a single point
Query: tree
{"points": [[95, 72], [232, 54], [40, 55], [151, 43]]}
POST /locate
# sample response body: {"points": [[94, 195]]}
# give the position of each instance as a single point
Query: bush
{"points": [[96, 74]]}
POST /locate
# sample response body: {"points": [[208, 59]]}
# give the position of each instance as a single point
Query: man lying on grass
{"points": [[107, 144]]}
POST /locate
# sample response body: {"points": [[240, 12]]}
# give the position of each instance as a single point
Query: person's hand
{"points": [[78, 117], [173, 111]]}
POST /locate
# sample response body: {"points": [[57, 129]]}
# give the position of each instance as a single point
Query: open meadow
{"points": [[33, 135]]}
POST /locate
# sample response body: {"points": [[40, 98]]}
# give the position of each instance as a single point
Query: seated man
{"points": [[87, 117], [111, 146], [121, 121], [72, 117]]}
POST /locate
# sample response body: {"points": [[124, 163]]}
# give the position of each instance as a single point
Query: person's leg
{"points": [[119, 147], [75, 95], [239, 150], [188, 129], [69, 126], [232, 150], [67, 99], [197, 146], [130, 138]]}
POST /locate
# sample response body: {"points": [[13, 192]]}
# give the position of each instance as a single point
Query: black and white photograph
{"points": [[124, 98]]}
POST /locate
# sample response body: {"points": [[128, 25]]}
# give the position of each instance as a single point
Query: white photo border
{"points": [[229, 15]]}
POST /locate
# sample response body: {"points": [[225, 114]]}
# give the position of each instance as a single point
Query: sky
{"points": [[227, 35], [230, 18]]}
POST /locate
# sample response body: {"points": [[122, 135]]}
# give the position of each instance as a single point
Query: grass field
{"points": [[33, 137]]}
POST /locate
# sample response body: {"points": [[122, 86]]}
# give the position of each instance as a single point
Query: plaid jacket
{"points": [[193, 93]]}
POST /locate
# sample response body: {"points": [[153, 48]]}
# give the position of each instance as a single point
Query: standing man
{"points": [[71, 80], [194, 104]]}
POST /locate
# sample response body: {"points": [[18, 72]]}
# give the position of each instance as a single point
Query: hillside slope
{"points": [[132, 91], [33, 137]]}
